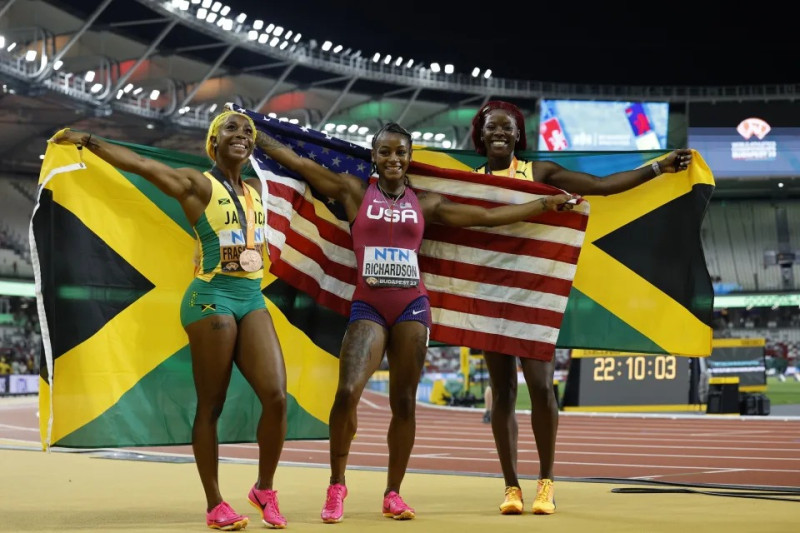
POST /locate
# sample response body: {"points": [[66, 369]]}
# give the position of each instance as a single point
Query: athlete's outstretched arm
{"points": [[589, 184], [346, 188], [175, 182], [439, 209]]}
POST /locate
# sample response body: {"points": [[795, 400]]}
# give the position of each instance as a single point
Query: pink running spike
{"points": [[333, 510], [266, 501], [395, 507], [223, 517]]}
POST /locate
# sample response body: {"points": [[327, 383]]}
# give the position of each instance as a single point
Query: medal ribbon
{"points": [[248, 221], [512, 170]]}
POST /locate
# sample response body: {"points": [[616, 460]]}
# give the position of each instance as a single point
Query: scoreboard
{"points": [[600, 380]]}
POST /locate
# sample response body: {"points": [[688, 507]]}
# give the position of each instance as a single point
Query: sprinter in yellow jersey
{"points": [[498, 131], [223, 310]]}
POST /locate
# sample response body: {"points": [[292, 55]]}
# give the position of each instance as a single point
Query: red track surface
{"points": [[746, 451]]}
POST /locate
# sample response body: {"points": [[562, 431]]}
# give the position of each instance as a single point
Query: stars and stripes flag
{"points": [[499, 289]]}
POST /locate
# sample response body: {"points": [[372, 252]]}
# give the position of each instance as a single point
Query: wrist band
{"points": [[656, 168]]}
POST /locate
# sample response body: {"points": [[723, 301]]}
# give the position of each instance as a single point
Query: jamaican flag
{"points": [[112, 258], [641, 284]]}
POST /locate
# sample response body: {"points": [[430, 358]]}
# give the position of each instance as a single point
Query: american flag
{"points": [[499, 289]]}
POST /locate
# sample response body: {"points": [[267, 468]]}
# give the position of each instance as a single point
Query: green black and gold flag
{"points": [[642, 284], [112, 258]]}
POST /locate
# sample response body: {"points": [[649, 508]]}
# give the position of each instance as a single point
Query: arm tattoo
{"points": [[266, 143]]}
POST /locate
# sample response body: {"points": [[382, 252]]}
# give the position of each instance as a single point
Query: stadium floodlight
{"points": [[283, 45], [96, 88], [128, 88], [154, 94], [274, 42], [297, 37], [278, 31], [195, 2], [272, 115], [184, 5], [258, 24], [488, 73], [448, 69], [58, 64], [120, 93], [387, 59], [201, 13], [30, 55], [288, 35], [227, 24], [341, 128], [211, 18], [363, 130], [216, 6], [326, 46], [270, 28], [263, 38], [252, 35], [294, 121], [137, 91], [241, 18], [399, 61], [225, 10], [353, 128], [2, 41], [330, 126], [435, 67], [427, 136], [416, 134], [11, 47], [212, 108], [376, 57], [410, 63], [438, 137], [338, 48], [207, 3], [446, 144], [475, 72], [89, 76]]}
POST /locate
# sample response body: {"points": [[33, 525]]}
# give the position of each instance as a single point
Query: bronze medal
{"points": [[250, 260]]}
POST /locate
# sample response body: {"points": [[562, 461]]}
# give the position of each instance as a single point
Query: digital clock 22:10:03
{"points": [[635, 367]]}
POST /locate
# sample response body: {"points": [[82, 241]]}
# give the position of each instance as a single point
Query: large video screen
{"points": [[588, 125], [747, 139]]}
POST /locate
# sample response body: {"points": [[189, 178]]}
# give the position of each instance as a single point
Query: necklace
{"points": [[392, 198]]}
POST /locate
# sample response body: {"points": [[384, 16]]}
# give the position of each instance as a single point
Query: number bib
{"points": [[390, 267]]}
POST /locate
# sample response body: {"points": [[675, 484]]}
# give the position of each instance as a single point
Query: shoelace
{"points": [[396, 501], [513, 491], [335, 496], [226, 510], [271, 500], [544, 494]]}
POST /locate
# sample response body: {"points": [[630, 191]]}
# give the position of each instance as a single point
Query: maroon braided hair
{"points": [[480, 118]]}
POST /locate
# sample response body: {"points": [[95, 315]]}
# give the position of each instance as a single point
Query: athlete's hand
{"points": [[67, 136], [560, 202], [676, 161]]}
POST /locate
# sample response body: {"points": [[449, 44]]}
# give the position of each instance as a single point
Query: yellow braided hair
{"points": [[216, 124]]}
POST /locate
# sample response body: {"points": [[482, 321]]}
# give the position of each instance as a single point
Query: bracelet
{"points": [[656, 168]]}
